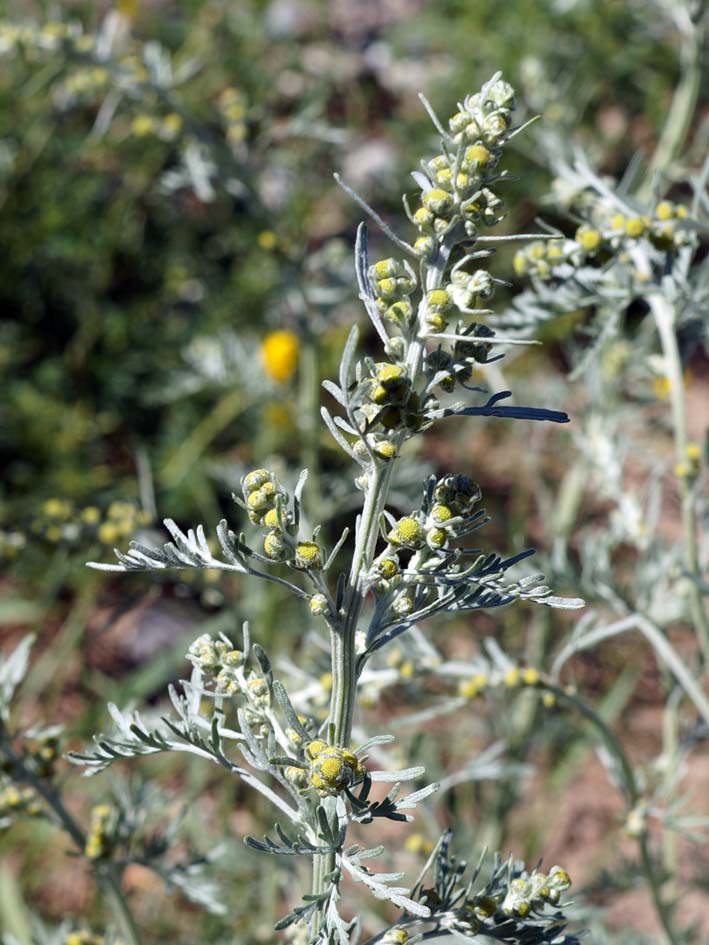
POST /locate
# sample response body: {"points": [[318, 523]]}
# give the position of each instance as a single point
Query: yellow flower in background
{"points": [[143, 125], [279, 353], [267, 239], [129, 8]]}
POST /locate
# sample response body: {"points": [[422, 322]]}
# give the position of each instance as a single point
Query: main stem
{"points": [[343, 630], [664, 314]]}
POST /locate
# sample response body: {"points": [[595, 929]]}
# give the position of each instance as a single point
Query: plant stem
{"points": [[670, 751], [344, 679], [665, 318], [634, 798], [344, 627], [309, 415], [111, 882], [682, 107]]}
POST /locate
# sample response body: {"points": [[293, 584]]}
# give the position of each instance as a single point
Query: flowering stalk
{"points": [[636, 820], [663, 312], [410, 568]]}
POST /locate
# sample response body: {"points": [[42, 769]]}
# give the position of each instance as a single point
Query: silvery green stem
{"points": [[634, 797], [344, 679], [343, 695], [114, 892], [683, 105], [309, 415], [665, 318]]}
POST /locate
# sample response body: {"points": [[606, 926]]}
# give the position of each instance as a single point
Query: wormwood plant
{"points": [[320, 771]]}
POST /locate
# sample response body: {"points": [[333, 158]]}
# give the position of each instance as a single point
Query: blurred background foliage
{"points": [[166, 202]]}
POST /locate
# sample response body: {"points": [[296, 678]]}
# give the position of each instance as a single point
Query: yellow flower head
{"points": [[479, 153], [267, 240], [634, 227], [279, 353], [407, 532], [588, 238], [333, 769], [307, 555]]}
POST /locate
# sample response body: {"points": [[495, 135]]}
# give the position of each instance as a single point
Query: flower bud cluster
{"points": [[28, 37], [86, 82], [458, 492], [609, 234], [332, 769], [531, 893], [232, 107], [16, 800], [387, 399], [395, 936], [265, 502], [691, 466], [485, 116], [472, 686], [427, 532], [166, 127], [41, 753], [61, 522], [101, 836], [456, 366], [392, 283], [90, 77], [219, 659], [84, 937], [460, 179]]}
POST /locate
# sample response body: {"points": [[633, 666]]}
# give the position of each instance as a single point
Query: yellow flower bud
{"points": [[519, 263], [424, 246], [270, 519], [333, 769], [274, 547], [634, 227], [307, 556], [477, 153], [437, 201], [468, 689], [406, 670], [390, 376], [423, 218], [588, 239], [267, 240], [407, 532], [318, 605], [436, 538], [108, 533], [315, 747], [441, 513], [90, 515]]}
